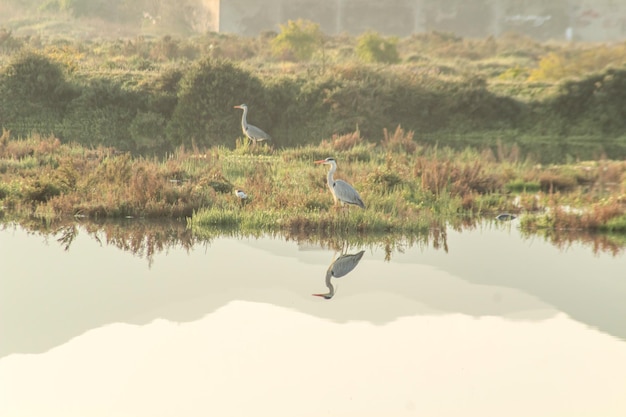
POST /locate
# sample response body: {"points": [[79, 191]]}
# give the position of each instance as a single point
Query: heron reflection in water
{"points": [[340, 267]]}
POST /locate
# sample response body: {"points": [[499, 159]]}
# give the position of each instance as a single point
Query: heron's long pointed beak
{"points": [[319, 295], [320, 161], [236, 107]]}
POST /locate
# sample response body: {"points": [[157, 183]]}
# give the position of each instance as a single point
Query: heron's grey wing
{"points": [[257, 134], [345, 264], [346, 193]]}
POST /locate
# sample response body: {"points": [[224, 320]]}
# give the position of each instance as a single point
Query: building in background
{"points": [[576, 20]]}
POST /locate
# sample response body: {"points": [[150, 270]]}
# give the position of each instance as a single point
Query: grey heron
{"points": [[338, 268], [341, 190], [252, 132]]}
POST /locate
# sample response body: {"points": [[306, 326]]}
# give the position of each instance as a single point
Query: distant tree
{"points": [[298, 38], [371, 47], [34, 93], [120, 11], [204, 114], [36, 81]]}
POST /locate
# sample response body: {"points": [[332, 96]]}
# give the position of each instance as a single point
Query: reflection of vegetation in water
{"points": [[67, 235], [145, 239], [613, 244], [140, 238], [390, 242]]}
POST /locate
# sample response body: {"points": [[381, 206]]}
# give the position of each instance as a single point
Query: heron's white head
{"points": [[328, 161], [241, 194], [241, 106]]}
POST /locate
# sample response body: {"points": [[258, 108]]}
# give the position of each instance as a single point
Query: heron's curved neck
{"points": [[244, 118], [329, 285], [331, 173]]}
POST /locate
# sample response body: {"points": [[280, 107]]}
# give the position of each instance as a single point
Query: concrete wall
{"points": [[585, 20]]}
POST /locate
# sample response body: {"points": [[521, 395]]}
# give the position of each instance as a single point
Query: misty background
{"points": [[573, 20]]}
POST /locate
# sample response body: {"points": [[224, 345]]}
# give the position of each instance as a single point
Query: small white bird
{"points": [[341, 190], [241, 194]]}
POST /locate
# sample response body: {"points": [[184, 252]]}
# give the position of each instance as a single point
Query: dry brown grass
{"points": [[553, 181], [399, 141], [457, 178], [346, 141], [35, 145], [592, 218], [508, 153]]}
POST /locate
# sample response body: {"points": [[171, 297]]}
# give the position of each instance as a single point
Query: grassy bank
{"points": [[407, 187]]}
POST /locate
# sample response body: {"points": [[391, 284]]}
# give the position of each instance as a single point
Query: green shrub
{"points": [[593, 103], [162, 92], [616, 224], [521, 186], [297, 40], [33, 86], [4, 190], [42, 190], [558, 65], [384, 179], [101, 115], [371, 47], [301, 109], [204, 114], [147, 131]]}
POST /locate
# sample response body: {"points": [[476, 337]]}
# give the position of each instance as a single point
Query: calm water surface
{"points": [[497, 325]]}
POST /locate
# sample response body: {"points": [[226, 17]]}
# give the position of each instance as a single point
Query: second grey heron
{"points": [[252, 132], [341, 190]]}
